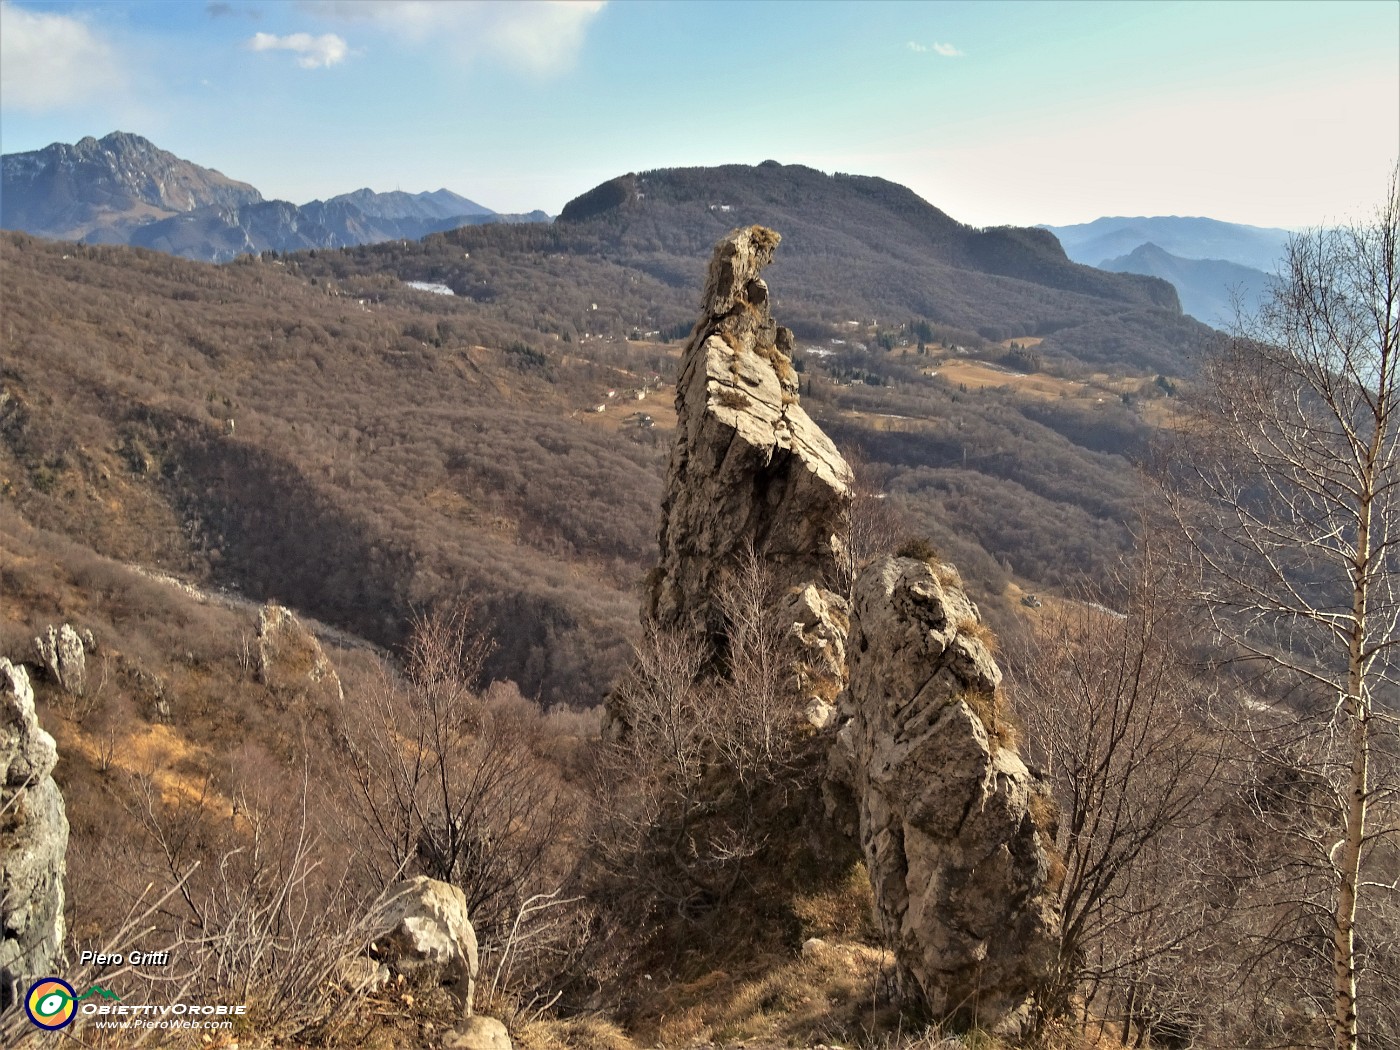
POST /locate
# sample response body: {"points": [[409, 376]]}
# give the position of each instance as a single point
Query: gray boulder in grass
{"points": [[421, 925]]}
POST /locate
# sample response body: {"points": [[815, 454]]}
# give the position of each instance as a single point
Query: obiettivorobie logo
{"points": [[52, 1003]]}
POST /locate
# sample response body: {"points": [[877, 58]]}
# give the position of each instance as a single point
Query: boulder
{"points": [[749, 470], [820, 714], [61, 652], [952, 823], [478, 1033], [33, 841], [422, 930]]}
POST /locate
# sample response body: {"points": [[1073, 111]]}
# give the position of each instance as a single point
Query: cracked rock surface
{"points": [[749, 467], [951, 820], [33, 841]]}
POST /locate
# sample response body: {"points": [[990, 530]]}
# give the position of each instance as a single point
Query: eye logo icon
{"points": [[51, 1003]]}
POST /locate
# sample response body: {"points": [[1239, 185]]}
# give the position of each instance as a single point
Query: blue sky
{"points": [[1279, 114]]}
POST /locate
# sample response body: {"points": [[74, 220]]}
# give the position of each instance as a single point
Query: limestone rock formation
{"points": [[61, 651], [820, 620], [422, 925], [749, 468], [33, 841], [951, 820], [291, 661]]}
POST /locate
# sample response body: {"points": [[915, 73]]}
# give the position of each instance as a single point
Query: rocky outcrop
{"points": [[478, 1033], [33, 840], [820, 620], [63, 653], [749, 470], [421, 928], [291, 662], [922, 768], [952, 824]]}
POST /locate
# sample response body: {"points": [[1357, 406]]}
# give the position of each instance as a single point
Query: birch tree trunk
{"points": [[1286, 483]]}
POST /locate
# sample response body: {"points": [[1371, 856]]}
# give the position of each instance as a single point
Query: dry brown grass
{"points": [[978, 375], [947, 575], [731, 398], [780, 361], [979, 630], [575, 1033], [1003, 728], [832, 992], [156, 751], [844, 911]]}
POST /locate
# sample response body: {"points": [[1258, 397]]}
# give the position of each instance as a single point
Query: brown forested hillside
{"points": [[246, 426], [358, 448]]}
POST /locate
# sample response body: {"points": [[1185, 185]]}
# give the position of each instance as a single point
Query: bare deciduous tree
{"points": [[696, 748], [1114, 717], [245, 905], [1286, 483], [875, 525], [445, 782]]}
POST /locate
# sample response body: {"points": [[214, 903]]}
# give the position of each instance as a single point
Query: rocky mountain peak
{"points": [[104, 184]]}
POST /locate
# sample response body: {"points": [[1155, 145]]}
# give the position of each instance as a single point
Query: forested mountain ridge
{"points": [[847, 212], [312, 429], [625, 255]]}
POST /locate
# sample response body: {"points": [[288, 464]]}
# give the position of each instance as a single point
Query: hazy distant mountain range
{"points": [[1211, 263], [1259, 247], [1211, 290], [122, 189]]}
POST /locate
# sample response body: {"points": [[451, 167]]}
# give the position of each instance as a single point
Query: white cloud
{"points": [[313, 52], [539, 36], [50, 61], [945, 50]]}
